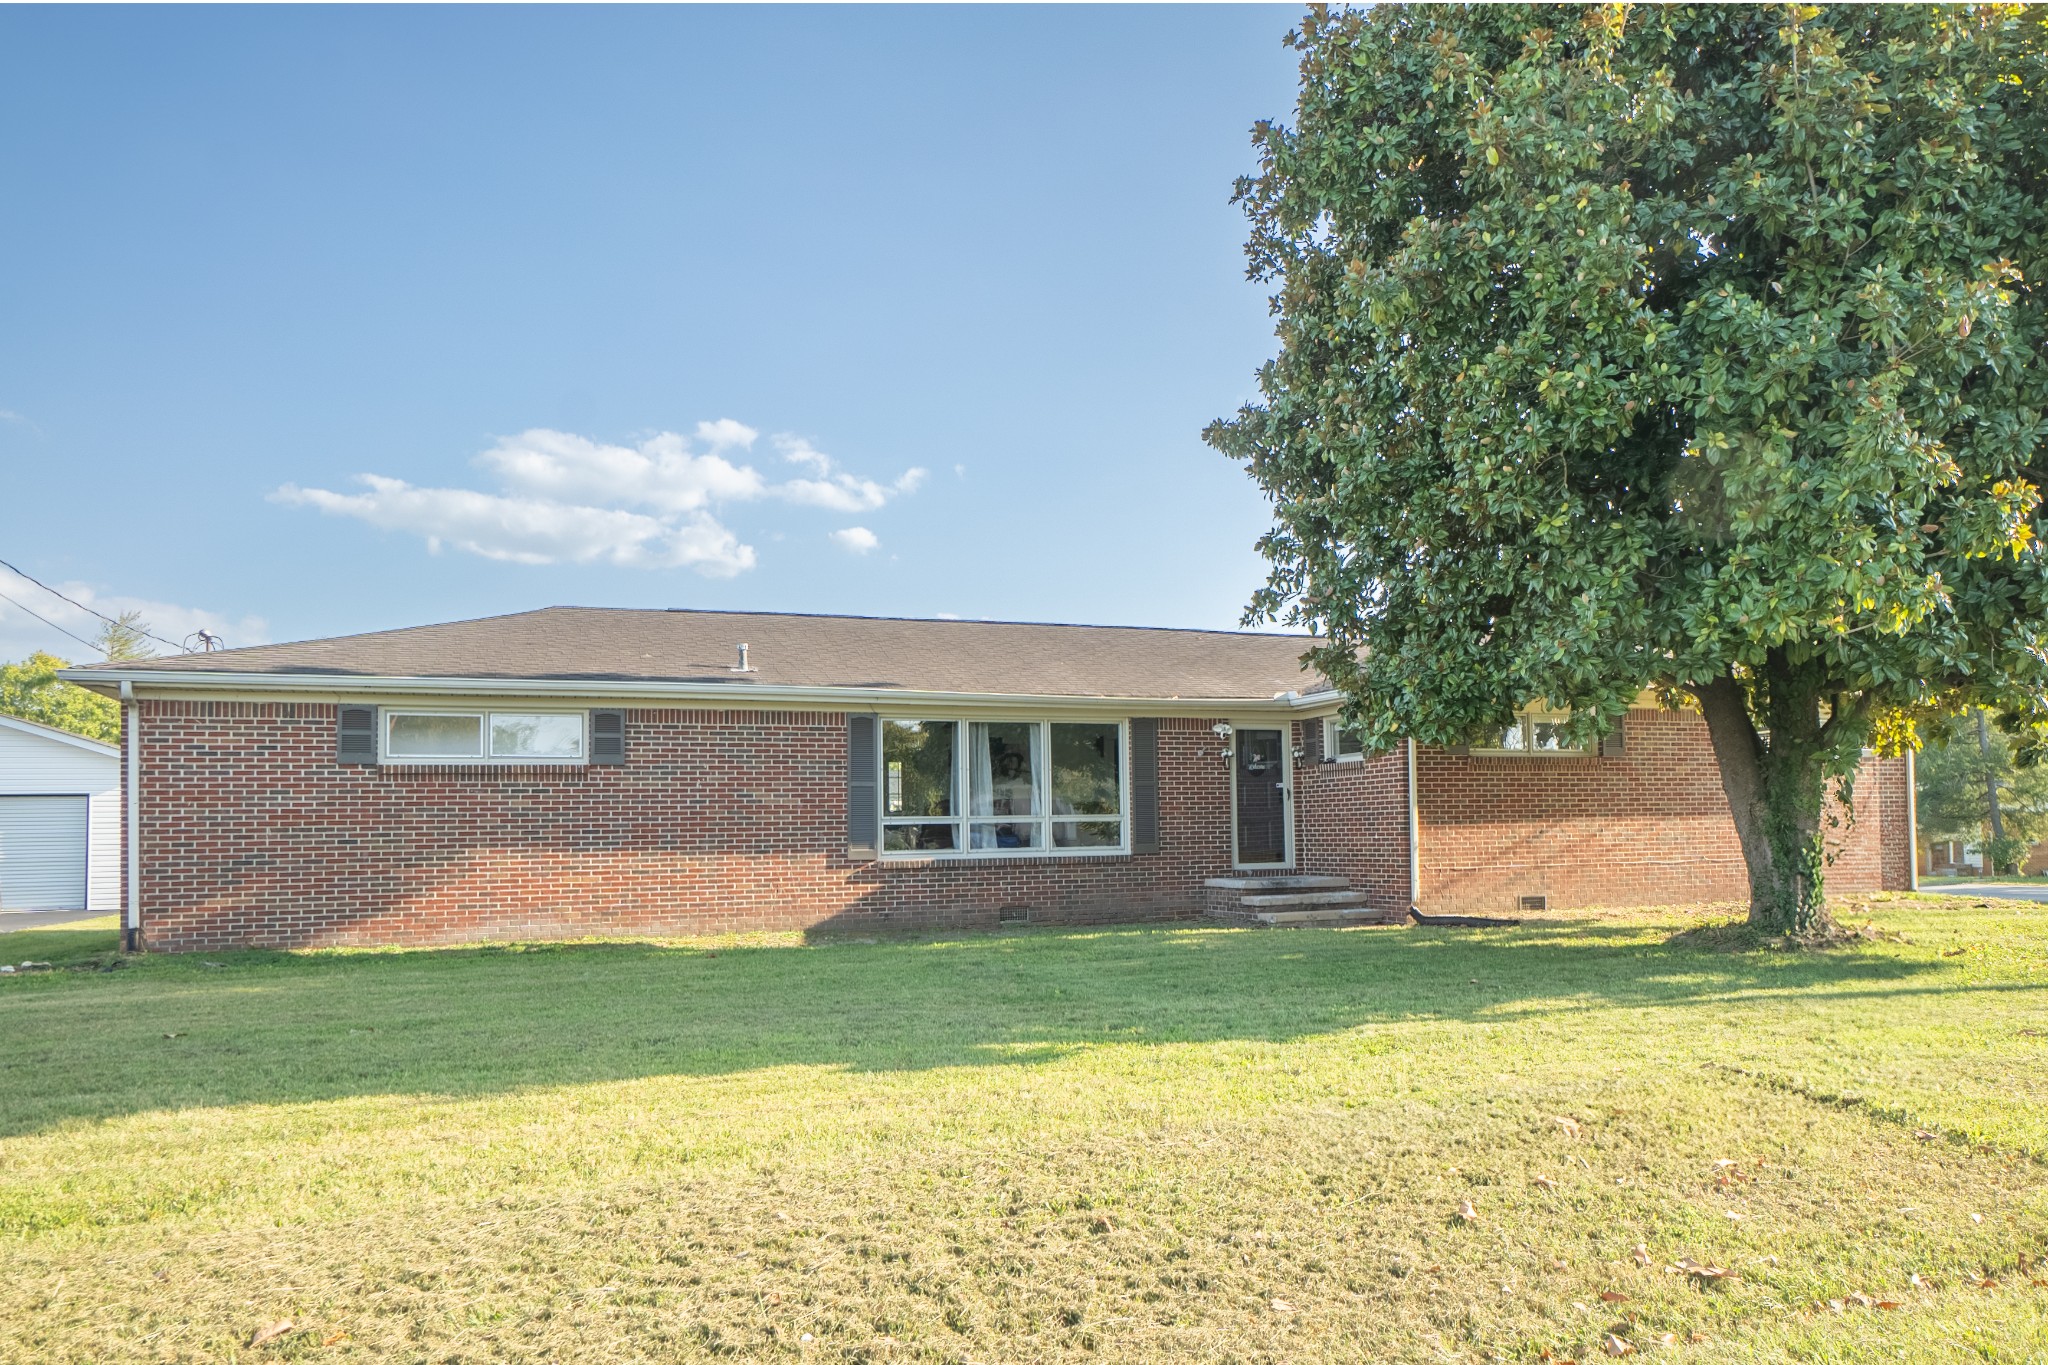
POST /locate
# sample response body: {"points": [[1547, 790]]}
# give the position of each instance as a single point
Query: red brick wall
{"points": [[728, 820], [1351, 820], [720, 820], [1648, 828]]}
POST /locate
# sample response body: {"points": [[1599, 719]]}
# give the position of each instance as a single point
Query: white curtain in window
{"points": [[981, 783]]}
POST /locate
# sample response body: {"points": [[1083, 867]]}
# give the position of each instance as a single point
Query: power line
{"points": [[124, 625], [48, 622]]}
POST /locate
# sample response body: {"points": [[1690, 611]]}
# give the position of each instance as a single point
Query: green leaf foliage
{"points": [[1644, 347], [1957, 768], [32, 690]]}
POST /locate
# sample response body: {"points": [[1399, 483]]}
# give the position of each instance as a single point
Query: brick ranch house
{"points": [[579, 771]]}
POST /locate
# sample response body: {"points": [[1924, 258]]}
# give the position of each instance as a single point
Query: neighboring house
{"points": [[60, 820], [579, 771]]}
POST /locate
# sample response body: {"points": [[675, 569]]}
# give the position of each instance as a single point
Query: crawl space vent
{"points": [[1531, 905]]}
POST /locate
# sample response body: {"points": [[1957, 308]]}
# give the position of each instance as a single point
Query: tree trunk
{"points": [[1997, 844], [1777, 790]]}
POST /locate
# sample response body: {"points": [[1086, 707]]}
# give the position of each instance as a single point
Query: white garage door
{"points": [[42, 852]]}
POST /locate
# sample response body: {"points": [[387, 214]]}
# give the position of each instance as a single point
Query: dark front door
{"points": [[1261, 797]]}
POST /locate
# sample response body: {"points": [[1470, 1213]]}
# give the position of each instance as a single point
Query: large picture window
{"points": [[994, 788], [484, 736]]}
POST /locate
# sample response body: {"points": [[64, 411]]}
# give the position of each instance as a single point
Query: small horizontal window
{"points": [[484, 736], [1339, 742], [1535, 733]]}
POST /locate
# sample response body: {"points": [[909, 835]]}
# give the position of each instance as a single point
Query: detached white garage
{"points": [[60, 820]]}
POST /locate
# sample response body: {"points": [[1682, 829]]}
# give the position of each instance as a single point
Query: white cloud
{"points": [[526, 530], [726, 432], [660, 473], [21, 634], [566, 499], [833, 489]]}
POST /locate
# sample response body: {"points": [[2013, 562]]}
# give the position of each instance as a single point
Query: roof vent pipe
{"points": [[743, 666]]}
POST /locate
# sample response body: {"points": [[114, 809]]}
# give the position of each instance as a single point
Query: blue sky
{"points": [[906, 311]]}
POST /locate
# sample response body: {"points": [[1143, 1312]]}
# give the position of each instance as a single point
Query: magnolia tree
{"points": [[1697, 350]]}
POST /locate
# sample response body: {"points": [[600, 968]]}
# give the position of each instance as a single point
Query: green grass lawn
{"points": [[1112, 1145]]}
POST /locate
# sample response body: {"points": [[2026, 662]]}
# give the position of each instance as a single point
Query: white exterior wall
{"points": [[34, 762]]}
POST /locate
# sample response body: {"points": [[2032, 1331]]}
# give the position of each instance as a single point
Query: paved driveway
{"points": [[2009, 891], [29, 919]]}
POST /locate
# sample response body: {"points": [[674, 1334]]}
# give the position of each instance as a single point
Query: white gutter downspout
{"points": [[131, 841], [1912, 825], [1414, 835]]}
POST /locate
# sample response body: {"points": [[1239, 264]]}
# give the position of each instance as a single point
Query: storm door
{"points": [[1261, 797]]}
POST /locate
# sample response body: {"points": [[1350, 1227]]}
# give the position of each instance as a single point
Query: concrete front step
{"points": [[1303, 900], [1284, 919], [1304, 882]]}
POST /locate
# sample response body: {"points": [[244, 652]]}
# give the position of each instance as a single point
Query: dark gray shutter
{"points": [[1610, 743], [1312, 740], [1144, 786], [355, 734], [863, 768], [608, 739]]}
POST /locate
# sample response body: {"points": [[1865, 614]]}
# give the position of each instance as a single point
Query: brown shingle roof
{"points": [[601, 643]]}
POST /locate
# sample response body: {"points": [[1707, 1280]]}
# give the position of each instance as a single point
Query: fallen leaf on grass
{"points": [[334, 1338], [1976, 1217], [1570, 1126], [1886, 1304], [1641, 1254], [1544, 1182], [1860, 1299], [1282, 1306], [1615, 1346], [271, 1331], [1610, 1296], [1466, 1213], [1667, 1338], [174, 1035], [1924, 1135], [1723, 1163], [1715, 1273]]}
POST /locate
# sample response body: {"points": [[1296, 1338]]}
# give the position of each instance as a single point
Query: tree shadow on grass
{"points": [[268, 1027]]}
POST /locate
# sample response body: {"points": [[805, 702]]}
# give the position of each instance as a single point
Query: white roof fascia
{"points": [[743, 696], [51, 732]]}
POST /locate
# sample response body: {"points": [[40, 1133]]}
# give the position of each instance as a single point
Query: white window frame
{"points": [[1528, 719], [483, 714], [1045, 819], [1331, 729]]}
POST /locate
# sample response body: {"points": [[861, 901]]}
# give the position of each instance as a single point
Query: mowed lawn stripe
{"points": [[1115, 1144]]}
